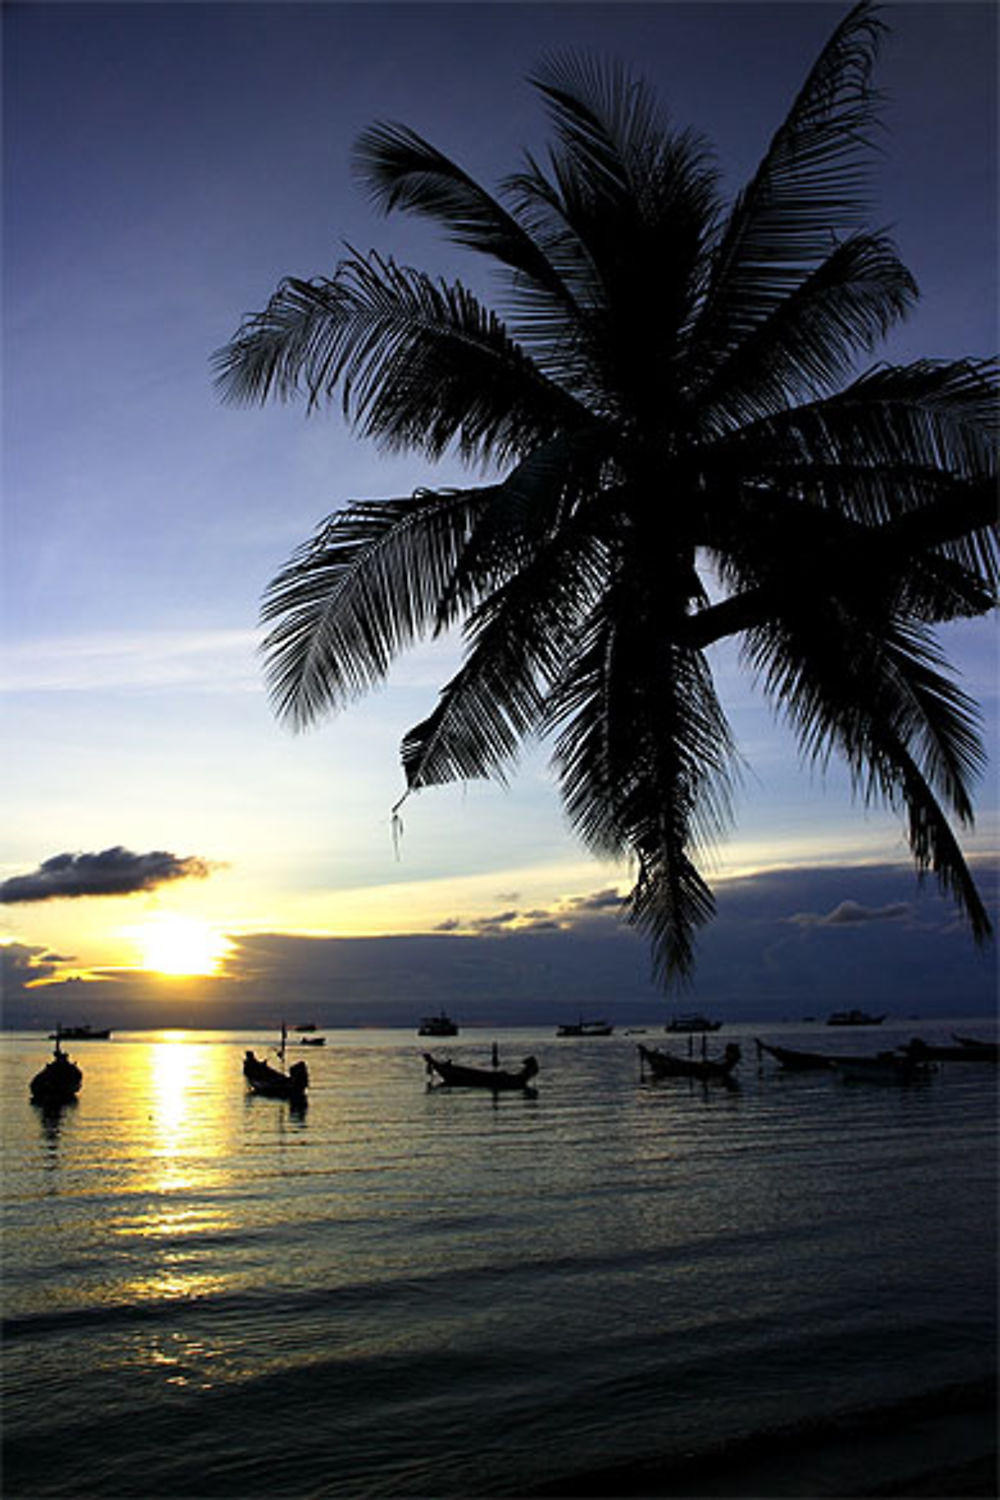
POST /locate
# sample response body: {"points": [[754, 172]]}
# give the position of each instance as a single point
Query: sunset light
{"points": [[172, 944]]}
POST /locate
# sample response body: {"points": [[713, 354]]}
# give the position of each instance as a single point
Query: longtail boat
{"points": [[58, 1082], [885, 1067], [276, 1083], [669, 1065], [794, 1060], [991, 1049], [460, 1076], [965, 1050]]}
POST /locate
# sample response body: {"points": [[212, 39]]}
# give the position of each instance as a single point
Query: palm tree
{"points": [[682, 453]]}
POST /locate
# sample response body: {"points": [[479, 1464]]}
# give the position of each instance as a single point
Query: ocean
{"points": [[404, 1292]]}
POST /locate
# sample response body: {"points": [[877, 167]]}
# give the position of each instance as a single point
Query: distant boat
{"points": [[794, 1060], [439, 1025], [853, 1018], [497, 1079], [312, 1041], [58, 1082], [307, 1026], [585, 1028], [79, 1034], [668, 1065], [276, 1083], [692, 1023]]}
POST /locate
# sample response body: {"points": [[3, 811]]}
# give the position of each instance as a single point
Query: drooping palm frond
{"points": [[350, 600], [869, 689], [287, 348], [646, 762], [517, 641]]}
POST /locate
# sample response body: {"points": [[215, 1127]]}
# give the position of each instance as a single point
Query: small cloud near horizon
{"points": [[112, 872], [851, 914]]}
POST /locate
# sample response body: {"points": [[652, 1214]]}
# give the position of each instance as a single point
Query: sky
{"points": [[172, 854]]}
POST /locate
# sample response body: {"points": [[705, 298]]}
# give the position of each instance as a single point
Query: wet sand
{"points": [[941, 1445]]}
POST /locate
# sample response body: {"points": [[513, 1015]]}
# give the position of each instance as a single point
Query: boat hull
{"points": [[57, 1083], [271, 1083], [885, 1067], [706, 1069], [796, 1061], [496, 1080]]}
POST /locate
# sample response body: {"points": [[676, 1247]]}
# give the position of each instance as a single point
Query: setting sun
{"points": [[172, 944]]}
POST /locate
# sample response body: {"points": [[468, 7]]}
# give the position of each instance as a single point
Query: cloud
{"points": [[22, 965], [213, 660], [113, 872], [852, 914]]}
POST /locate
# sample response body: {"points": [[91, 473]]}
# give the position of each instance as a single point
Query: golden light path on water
{"points": [[182, 1082]]}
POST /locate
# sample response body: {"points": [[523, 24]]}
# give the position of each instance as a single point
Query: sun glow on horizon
{"points": [[179, 945]]}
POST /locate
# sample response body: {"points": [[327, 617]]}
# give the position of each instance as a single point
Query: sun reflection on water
{"points": [[175, 1210]]}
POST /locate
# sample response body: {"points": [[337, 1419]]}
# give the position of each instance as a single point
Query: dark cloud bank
{"points": [[112, 872], [787, 944]]}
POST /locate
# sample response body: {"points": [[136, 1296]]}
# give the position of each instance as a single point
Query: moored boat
{"points": [[853, 1018], [795, 1060], [585, 1028], [965, 1051], [884, 1067], [439, 1025], [276, 1083], [499, 1080], [312, 1041], [691, 1023], [58, 1082], [669, 1065], [991, 1049]]}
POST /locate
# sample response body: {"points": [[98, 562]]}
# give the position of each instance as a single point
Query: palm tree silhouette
{"points": [[682, 453]]}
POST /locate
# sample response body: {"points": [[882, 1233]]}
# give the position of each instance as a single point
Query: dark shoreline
{"points": [[943, 1443]]}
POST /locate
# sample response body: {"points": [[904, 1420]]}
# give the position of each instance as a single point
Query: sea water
{"points": [[403, 1291]]}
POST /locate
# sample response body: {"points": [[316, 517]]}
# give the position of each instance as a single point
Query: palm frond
{"points": [[519, 636], [805, 195], [368, 585], [645, 760], [287, 348], [869, 689], [809, 342], [404, 172]]}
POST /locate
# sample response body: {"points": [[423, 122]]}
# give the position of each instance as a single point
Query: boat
{"points": [[585, 1028], [669, 1065], [853, 1018], [58, 1082], [966, 1050], [80, 1034], [691, 1023], [276, 1083], [439, 1025], [884, 1067], [460, 1076], [307, 1026], [794, 1060], [990, 1049], [312, 1041]]}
